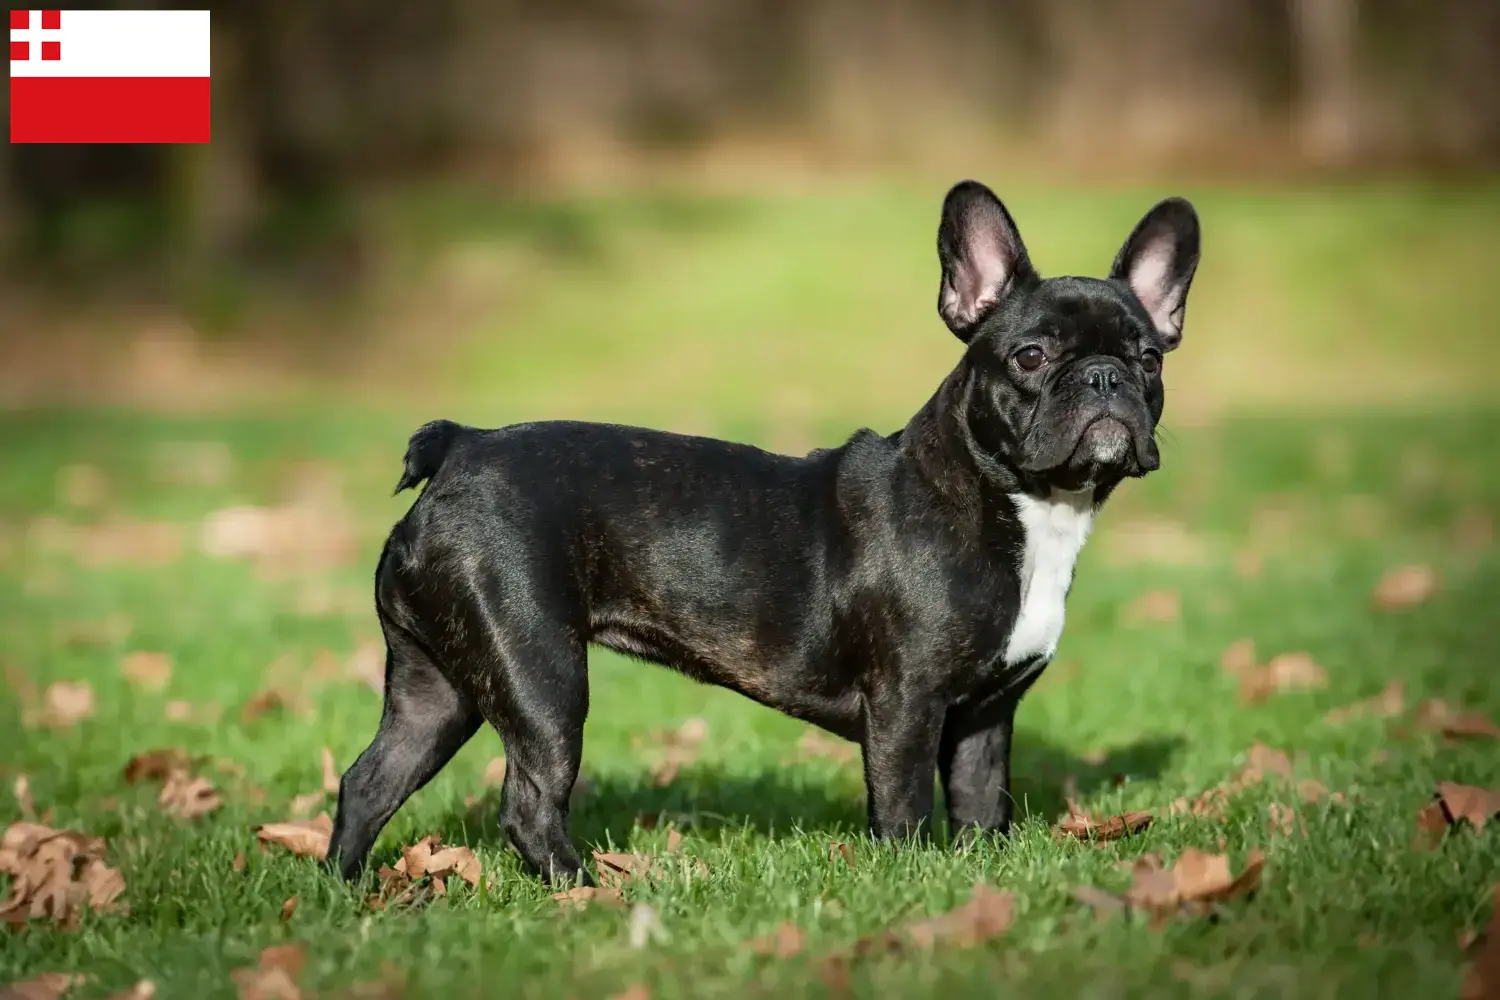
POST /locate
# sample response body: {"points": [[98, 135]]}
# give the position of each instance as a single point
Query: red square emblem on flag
{"points": [[136, 76]]}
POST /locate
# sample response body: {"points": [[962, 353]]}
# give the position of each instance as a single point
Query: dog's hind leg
{"points": [[424, 723], [539, 701]]}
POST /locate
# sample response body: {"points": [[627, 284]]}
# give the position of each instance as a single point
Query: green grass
{"points": [[788, 320], [1349, 910]]}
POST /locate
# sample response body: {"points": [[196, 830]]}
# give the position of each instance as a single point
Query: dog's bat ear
{"points": [[982, 256], [1158, 262]]}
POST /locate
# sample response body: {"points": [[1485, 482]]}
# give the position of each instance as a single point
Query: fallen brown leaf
{"points": [[1197, 879], [47, 986], [66, 703], [312, 533], [270, 700], [238, 864], [22, 790], [839, 849], [143, 990], [988, 914], [188, 797], [814, 744], [785, 941], [674, 841], [157, 765], [274, 976], [57, 874], [679, 748], [148, 670], [1156, 606], [1211, 804], [306, 839], [1085, 826], [1389, 702], [1283, 819], [1287, 672], [1101, 901], [1239, 658], [288, 908], [580, 896], [494, 772], [1311, 790], [1261, 762], [617, 868], [1465, 802], [1405, 587], [305, 805], [330, 773], [1482, 982], [1434, 713], [1432, 824], [367, 664]]}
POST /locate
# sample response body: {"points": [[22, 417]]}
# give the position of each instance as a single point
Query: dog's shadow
{"points": [[818, 797]]}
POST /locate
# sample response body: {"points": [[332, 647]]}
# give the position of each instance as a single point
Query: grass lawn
{"points": [[1272, 528]]}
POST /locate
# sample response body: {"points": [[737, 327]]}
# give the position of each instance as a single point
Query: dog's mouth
{"points": [[1107, 448]]}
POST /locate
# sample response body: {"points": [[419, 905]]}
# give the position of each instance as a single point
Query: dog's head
{"points": [[1063, 376]]}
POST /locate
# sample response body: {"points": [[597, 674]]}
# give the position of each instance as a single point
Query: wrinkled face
{"points": [[1064, 375], [1070, 380]]}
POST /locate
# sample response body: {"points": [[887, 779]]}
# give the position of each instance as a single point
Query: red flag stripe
{"points": [[109, 109]]}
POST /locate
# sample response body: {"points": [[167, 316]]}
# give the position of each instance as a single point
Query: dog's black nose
{"points": [[1104, 377]]}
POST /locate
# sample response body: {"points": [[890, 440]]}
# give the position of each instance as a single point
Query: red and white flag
{"points": [[109, 76]]}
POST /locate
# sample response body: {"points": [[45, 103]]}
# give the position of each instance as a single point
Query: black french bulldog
{"points": [[901, 591]]}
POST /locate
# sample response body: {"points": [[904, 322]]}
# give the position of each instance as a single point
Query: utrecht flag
{"points": [[109, 76]]}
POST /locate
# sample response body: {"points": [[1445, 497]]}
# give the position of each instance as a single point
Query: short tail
{"points": [[426, 450]]}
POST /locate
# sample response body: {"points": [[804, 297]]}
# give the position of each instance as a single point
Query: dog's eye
{"points": [[1150, 362], [1030, 358]]}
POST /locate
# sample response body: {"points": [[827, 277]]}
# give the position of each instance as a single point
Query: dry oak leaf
{"points": [[1261, 762], [1284, 819], [494, 772], [616, 868], [1465, 802], [679, 749], [814, 743], [148, 670], [306, 805], [1483, 979], [157, 765], [581, 896], [66, 703], [304, 838], [839, 849], [1238, 658], [270, 700], [1157, 606], [330, 773], [1084, 826], [1287, 672], [1405, 587], [785, 941], [188, 797], [988, 914], [1196, 880], [274, 976], [56, 874], [47, 986], [288, 908], [22, 790], [1391, 701], [1434, 713]]}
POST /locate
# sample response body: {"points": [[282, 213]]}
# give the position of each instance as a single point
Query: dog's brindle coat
{"points": [[900, 591]]}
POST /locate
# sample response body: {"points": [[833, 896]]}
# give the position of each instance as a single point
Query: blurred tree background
{"points": [[319, 104]]}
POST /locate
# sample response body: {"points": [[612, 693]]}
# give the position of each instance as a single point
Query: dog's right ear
{"points": [[982, 256]]}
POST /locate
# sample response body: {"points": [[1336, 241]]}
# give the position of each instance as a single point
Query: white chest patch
{"points": [[1055, 529]]}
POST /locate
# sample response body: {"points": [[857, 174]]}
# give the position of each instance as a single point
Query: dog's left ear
{"points": [[1158, 262]]}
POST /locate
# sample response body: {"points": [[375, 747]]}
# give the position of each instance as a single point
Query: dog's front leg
{"points": [[902, 733], [974, 763]]}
